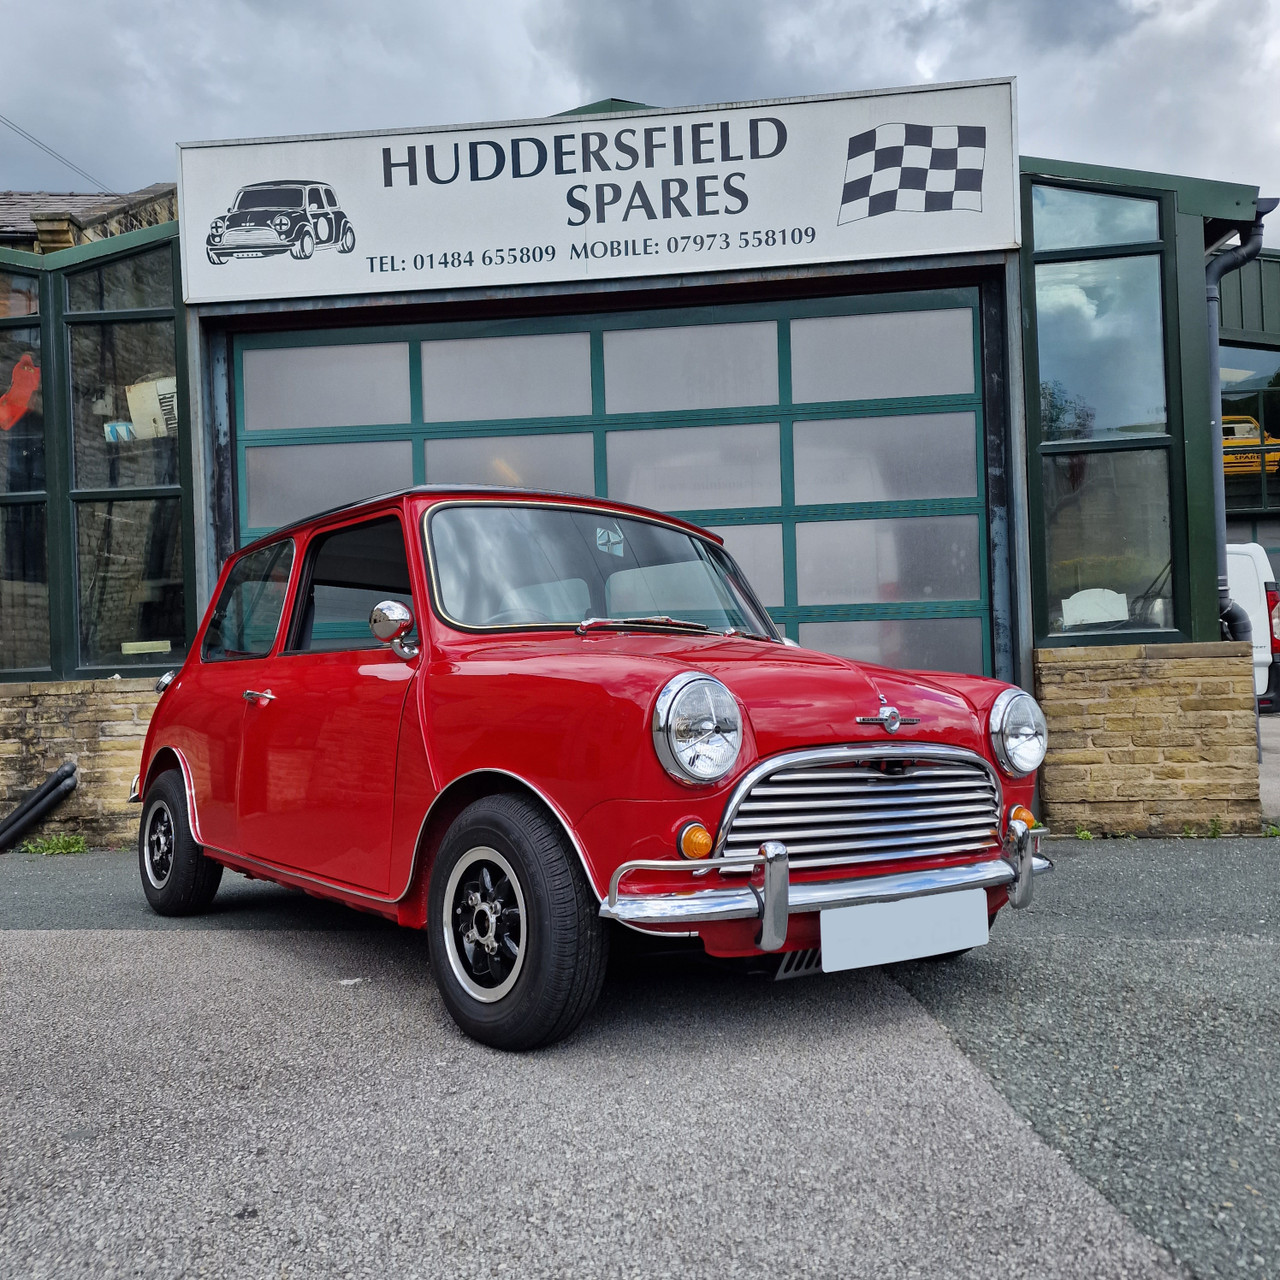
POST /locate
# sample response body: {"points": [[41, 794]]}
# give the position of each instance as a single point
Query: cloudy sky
{"points": [[1183, 86]]}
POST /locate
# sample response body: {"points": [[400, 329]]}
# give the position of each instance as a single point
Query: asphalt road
{"points": [[276, 1090]]}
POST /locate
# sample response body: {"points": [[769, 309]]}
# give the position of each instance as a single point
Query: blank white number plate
{"points": [[873, 933]]}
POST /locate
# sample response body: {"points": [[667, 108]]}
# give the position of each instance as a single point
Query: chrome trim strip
{"points": [[851, 753], [135, 794], [744, 903], [193, 816]]}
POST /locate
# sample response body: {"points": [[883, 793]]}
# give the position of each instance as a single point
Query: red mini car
{"points": [[511, 717]]}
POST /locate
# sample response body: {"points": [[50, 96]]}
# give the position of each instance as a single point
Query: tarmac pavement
{"points": [[276, 1090]]}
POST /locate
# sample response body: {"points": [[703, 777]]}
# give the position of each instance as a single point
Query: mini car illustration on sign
{"points": [[521, 721], [295, 217]]}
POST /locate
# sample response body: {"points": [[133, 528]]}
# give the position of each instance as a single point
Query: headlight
{"points": [[1019, 735], [697, 728], [280, 223]]}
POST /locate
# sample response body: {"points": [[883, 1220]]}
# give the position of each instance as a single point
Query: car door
{"points": [[233, 653], [321, 218], [321, 726]]}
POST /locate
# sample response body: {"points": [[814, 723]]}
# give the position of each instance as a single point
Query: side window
{"points": [[329, 199], [313, 198], [348, 572], [247, 615]]}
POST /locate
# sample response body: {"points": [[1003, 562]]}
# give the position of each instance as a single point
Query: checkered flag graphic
{"points": [[919, 168]]}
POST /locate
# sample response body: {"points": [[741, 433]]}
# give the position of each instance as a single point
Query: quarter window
{"points": [[247, 616]]}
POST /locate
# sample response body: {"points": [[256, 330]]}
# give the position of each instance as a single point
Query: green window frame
{"points": [[62, 496], [788, 513], [1171, 442]]}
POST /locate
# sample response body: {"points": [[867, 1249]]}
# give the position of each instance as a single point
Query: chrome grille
{"points": [[248, 237], [845, 805]]}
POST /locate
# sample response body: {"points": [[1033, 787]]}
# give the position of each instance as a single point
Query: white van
{"points": [[1253, 586]]}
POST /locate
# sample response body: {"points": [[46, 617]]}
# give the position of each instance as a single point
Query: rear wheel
{"points": [[176, 876], [348, 241], [517, 943]]}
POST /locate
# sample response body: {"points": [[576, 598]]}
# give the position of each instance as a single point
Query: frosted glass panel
{"points": [[565, 463], [707, 366], [361, 385], [288, 482], [541, 376], [876, 357], [881, 561], [696, 468], [758, 550], [925, 644], [886, 459]]}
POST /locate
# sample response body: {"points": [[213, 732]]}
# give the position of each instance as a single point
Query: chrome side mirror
{"points": [[390, 622]]}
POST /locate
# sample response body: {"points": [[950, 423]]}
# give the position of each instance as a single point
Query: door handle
{"points": [[252, 695]]}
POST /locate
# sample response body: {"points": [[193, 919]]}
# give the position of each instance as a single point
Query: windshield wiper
{"points": [[660, 620]]}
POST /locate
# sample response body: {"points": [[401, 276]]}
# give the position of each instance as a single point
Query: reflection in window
{"points": [[131, 589], [19, 295], [1064, 219], [21, 412], [1107, 540], [1101, 345], [1250, 419], [24, 587], [145, 280], [124, 404], [564, 463], [247, 616]]}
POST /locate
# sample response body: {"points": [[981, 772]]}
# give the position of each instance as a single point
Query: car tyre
{"points": [[517, 944], [176, 876], [304, 246], [348, 241]]}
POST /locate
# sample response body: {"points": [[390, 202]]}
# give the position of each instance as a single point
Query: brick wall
{"points": [[98, 724], [1149, 739]]}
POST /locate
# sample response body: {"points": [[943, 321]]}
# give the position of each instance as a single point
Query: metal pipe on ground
{"points": [[46, 797]]}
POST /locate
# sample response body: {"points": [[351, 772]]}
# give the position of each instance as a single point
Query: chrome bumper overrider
{"points": [[135, 796], [771, 898]]}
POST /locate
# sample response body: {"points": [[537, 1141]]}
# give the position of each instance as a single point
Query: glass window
{"points": [[130, 578], [703, 366], [1107, 540], [882, 561], [508, 566], [145, 280], [758, 550], [247, 616], [351, 571], [882, 355], [21, 412], [545, 375], [886, 459], [24, 587], [564, 463], [1101, 344], [921, 644], [290, 482], [1064, 219], [124, 404], [696, 468], [364, 384], [19, 295]]}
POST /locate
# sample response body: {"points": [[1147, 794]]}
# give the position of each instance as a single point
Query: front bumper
{"points": [[771, 898]]}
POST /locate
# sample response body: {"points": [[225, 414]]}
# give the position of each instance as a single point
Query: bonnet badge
{"points": [[889, 718]]}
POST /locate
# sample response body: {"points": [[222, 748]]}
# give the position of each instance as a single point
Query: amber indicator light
{"points": [[695, 841], [1022, 814]]}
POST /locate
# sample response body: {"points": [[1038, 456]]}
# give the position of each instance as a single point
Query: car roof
{"points": [[485, 491], [284, 182]]}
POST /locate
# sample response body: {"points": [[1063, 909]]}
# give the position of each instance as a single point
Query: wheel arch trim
{"points": [[158, 766]]}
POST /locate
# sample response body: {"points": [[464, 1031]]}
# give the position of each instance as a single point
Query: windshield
{"points": [[270, 198], [511, 566]]}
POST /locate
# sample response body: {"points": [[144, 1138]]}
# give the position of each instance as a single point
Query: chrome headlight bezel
{"points": [[1003, 718], [664, 716]]}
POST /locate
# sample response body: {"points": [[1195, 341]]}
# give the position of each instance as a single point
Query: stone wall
{"points": [[98, 724], [1154, 739]]}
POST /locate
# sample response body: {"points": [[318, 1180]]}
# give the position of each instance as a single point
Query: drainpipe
{"points": [[1234, 619]]}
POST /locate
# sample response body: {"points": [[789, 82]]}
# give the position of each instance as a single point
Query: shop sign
{"points": [[748, 186]]}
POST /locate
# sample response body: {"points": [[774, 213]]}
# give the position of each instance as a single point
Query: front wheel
{"points": [[304, 246], [516, 940], [176, 876]]}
